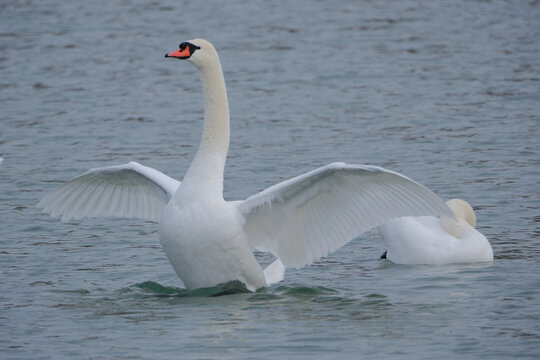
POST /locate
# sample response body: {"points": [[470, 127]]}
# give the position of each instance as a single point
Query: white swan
{"points": [[209, 240], [430, 240]]}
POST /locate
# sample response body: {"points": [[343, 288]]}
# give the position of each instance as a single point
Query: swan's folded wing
{"points": [[131, 190], [305, 218]]}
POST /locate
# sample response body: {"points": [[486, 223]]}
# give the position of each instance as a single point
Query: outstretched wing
{"points": [[131, 190], [305, 218]]}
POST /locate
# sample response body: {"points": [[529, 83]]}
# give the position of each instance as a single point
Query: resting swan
{"points": [[430, 240], [209, 240]]}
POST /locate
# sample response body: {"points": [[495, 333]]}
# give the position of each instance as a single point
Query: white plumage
{"points": [[307, 217], [430, 240], [209, 240], [131, 190]]}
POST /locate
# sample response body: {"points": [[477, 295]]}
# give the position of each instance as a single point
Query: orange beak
{"points": [[180, 54]]}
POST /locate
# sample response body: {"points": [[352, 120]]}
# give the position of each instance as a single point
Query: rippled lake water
{"points": [[446, 92]]}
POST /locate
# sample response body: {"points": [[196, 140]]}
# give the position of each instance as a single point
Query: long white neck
{"points": [[206, 171]]}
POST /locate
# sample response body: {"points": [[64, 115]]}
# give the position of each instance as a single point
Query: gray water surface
{"points": [[447, 93]]}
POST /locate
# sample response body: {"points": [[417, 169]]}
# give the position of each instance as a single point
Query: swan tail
{"points": [[275, 272]]}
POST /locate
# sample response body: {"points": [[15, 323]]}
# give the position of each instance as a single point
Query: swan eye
{"points": [[186, 44]]}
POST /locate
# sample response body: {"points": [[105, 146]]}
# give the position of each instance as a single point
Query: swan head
{"points": [[199, 52], [464, 213], [462, 210]]}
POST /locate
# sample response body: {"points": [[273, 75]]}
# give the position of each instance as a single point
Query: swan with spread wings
{"points": [[209, 240]]}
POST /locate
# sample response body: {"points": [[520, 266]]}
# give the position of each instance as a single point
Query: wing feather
{"points": [[130, 190], [303, 219]]}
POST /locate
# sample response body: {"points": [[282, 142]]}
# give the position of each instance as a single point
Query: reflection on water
{"points": [[229, 288]]}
